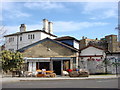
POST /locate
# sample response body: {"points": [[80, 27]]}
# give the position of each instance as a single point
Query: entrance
{"points": [[57, 67]]}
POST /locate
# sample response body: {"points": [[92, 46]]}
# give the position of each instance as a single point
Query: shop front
{"points": [[56, 64]]}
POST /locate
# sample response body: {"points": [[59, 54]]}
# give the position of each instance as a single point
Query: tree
{"points": [[2, 33], [116, 64], [11, 60], [106, 63]]}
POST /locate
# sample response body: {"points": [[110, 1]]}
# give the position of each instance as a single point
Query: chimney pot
{"points": [[45, 25], [50, 27], [22, 28]]}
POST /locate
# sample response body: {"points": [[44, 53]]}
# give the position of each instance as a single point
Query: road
{"points": [[98, 83]]}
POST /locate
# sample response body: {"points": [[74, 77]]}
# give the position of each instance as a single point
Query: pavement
{"points": [[17, 79]]}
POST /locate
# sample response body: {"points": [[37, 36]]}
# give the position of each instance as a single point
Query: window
{"points": [[28, 36], [11, 39], [11, 50], [20, 38], [74, 60], [31, 36]]}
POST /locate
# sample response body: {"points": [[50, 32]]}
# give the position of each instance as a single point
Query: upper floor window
{"points": [[11, 39], [28, 36], [20, 38], [31, 36]]}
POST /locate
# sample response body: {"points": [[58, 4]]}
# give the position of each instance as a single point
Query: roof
{"points": [[91, 46], [60, 43], [113, 53], [18, 33], [66, 38], [110, 35]]}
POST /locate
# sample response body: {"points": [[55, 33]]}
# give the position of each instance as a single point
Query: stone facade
{"points": [[48, 49], [47, 53], [109, 43]]}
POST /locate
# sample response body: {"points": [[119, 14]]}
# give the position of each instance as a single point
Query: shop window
{"points": [[66, 65], [74, 60]]}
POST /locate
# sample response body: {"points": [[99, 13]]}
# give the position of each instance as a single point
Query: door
{"points": [[57, 67]]}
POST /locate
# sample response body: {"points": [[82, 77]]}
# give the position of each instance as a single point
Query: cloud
{"points": [[44, 5], [59, 26], [14, 29], [13, 10], [62, 26], [101, 10]]}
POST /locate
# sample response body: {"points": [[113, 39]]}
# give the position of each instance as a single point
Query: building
{"points": [[23, 38], [109, 43], [50, 54], [91, 58], [44, 50], [112, 42], [86, 41], [113, 57], [71, 41]]}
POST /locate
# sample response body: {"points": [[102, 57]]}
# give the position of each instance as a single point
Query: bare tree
{"points": [[2, 33]]}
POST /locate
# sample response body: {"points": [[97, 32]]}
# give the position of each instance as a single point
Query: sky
{"points": [[76, 19]]}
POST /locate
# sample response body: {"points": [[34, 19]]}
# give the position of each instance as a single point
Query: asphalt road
{"points": [[99, 83]]}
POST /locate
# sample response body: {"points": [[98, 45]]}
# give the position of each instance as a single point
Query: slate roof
{"points": [[66, 38], [60, 43], [18, 33]]}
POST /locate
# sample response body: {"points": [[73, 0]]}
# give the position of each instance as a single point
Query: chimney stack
{"points": [[45, 25], [22, 28], [50, 27]]}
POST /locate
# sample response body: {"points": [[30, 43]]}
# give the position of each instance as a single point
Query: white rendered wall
{"points": [[92, 51], [30, 67], [112, 68], [11, 45], [34, 66], [25, 41], [90, 65], [76, 44]]}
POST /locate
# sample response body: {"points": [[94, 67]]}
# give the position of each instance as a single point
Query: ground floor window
{"points": [[66, 65], [43, 65]]}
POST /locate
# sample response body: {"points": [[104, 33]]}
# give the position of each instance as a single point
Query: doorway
{"points": [[57, 67]]}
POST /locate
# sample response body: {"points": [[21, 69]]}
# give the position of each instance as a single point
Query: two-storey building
{"points": [[23, 38]]}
